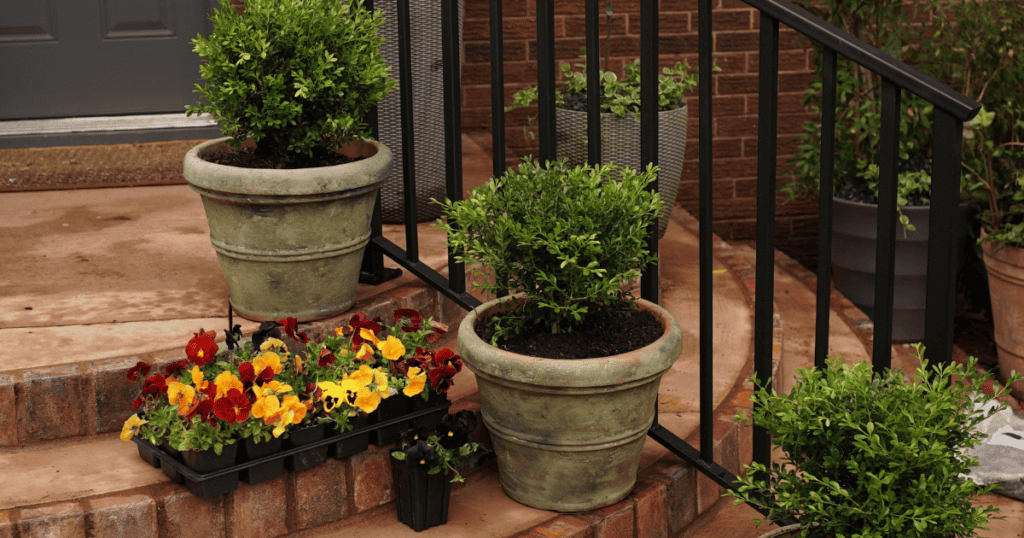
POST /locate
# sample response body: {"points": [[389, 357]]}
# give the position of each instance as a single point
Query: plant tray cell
{"points": [[389, 409], [310, 457], [303, 456], [261, 472]]}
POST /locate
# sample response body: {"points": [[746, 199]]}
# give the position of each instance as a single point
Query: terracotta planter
{"points": [[568, 433], [290, 242], [854, 236], [620, 144], [1005, 265]]}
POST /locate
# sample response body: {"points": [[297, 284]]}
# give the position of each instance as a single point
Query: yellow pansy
{"points": [[270, 388], [417, 382], [181, 395], [364, 350], [381, 380], [340, 331], [284, 418], [226, 381], [265, 408], [293, 404], [197, 378], [271, 343], [392, 348], [332, 395], [367, 400], [268, 359], [364, 376], [298, 365], [131, 427], [369, 335]]}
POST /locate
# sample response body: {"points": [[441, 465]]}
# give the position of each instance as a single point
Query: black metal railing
{"points": [[950, 108]]}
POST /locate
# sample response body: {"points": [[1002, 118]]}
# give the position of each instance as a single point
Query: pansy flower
{"points": [[233, 337], [140, 369], [175, 367], [226, 381], [363, 376], [392, 348], [201, 348], [365, 352], [381, 380], [415, 319], [267, 359], [232, 407], [453, 430], [131, 427], [181, 395], [204, 410], [268, 329], [367, 400], [290, 326], [438, 330], [271, 342], [441, 378], [326, 358], [448, 357], [361, 321], [265, 407], [246, 372], [154, 385], [421, 454], [417, 382]]}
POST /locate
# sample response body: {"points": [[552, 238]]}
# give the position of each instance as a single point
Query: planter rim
{"points": [[371, 169], [1002, 251], [644, 363], [906, 208]]}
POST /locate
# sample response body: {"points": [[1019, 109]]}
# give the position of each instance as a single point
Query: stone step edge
{"points": [[29, 417], [671, 494]]}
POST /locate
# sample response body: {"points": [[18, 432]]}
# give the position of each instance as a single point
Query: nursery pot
{"points": [[302, 436], [1005, 265], [854, 236], [266, 470], [420, 498], [568, 433], [620, 144], [290, 242]]}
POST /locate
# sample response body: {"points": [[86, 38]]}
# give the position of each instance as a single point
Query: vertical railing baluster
{"points": [[497, 90], [546, 79], [885, 253], [452, 125], [593, 82], [944, 227], [706, 299], [412, 249], [649, 128], [827, 173], [764, 267]]}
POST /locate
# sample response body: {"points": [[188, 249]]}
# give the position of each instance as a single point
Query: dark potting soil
{"points": [[603, 333], [857, 191], [578, 102], [247, 158]]}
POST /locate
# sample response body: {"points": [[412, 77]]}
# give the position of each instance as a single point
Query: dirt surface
{"points": [[75, 167], [603, 333]]}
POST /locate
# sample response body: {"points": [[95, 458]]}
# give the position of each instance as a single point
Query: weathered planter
{"points": [[290, 242], [854, 236], [620, 144], [568, 433], [1005, 265]]}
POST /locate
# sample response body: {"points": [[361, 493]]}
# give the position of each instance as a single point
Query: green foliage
{"points": [[295, 76], [873, 456], [618, 96], [568, 239]]}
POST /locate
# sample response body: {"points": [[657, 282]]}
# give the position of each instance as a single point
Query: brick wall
{"points": [[735, 97]]}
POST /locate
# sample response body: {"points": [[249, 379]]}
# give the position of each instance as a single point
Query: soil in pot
{"points": [[603, 333], [247, 158]]}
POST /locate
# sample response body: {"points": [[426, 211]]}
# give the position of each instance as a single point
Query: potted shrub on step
{"points": [[872, 455], [568, 366], [290, 191]]}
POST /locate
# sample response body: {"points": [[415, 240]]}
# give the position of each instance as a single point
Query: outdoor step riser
{"points": [[46, 404]]}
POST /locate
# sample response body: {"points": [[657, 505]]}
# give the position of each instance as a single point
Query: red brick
{"points": [[563, 527], [133, 516], [668, 23], [615, 521], [735, 84], [64, 520], [8, 412], [7, 527], [651, 509], [114, 393], [576, 26], [736, 126], [320, 495], [736, 41], [184, 515], [726, 454], [372, 484], [49, 404], [259, 511], [680, 480]]}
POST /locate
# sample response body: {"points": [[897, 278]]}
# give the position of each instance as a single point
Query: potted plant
{"points": [[568, 365], [620, 119], [873, 455], [421, 466], [290, 191]]}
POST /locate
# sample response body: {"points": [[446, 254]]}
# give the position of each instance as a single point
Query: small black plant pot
{"points": [[393, 407], [307, 458], [421, 498], [169, 471], [355, 444], [432, 419], [148, 456], [208, 461], [263, 471]]}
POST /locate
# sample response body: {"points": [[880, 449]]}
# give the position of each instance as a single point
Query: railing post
{"points": [[885, 253], [649, 129], [827, 172], [497, 90], [452, 125], [546, 79], [705, 190]]}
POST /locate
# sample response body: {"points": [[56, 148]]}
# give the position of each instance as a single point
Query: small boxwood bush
{"points": [[295, 76], [566, 239]]}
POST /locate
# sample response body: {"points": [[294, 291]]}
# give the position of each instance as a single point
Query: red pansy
{"points": [[140, 369], [326, 358], [290, 326], [201, 349], [361, 321], [441, 378], [155, 384], [137, 403], [203, 408], [414, 317], [246, 372], [175, 367], [233, 407]]}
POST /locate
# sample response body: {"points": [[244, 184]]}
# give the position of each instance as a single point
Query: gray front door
{"points": [[63, 58]]}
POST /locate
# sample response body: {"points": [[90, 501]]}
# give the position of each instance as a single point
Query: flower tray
{"points": [[206, 485]]}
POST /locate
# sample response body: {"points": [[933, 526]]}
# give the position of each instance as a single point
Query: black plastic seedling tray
{"points": [[226, 480]]}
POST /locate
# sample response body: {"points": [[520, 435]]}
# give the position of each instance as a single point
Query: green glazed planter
{"points": [[290, 242], [568, 433]]}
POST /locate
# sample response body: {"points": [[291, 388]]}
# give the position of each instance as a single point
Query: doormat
{"points": [[90, 167]]}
